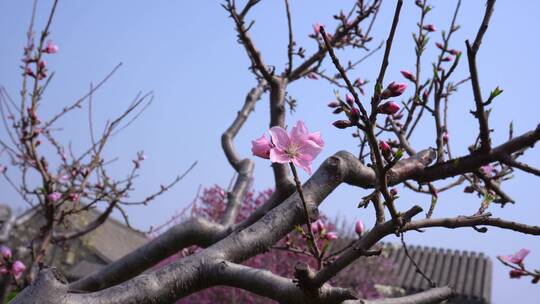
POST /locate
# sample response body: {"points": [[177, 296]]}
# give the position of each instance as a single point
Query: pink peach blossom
{"points": [[516, 258], [5, 252], [51, 47], [331, 236], [17, 269], [384, 146], [299, 147], [54, 196]]}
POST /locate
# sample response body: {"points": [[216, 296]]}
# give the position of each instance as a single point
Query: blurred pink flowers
{"points": [[299, 146], [54, 196], [50, 48], [17, 269], [516, 258]]}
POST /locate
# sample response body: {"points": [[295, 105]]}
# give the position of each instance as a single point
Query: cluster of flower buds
{"points": [[319, 228], [359, 83], [8, 266], [453, 52], [352, 112], [41, 65]]}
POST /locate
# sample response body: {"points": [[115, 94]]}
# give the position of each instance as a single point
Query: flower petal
{"points": [[280, 138], [303, 163], [299, 132], [279, 156]]}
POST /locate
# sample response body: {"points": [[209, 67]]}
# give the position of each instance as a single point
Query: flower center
{"points": [[293, 150]]}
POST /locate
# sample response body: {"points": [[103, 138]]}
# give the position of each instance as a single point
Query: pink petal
{"points": [[280, 138], [303, 163], [279, 156], [316, 138], [299, 132], [261, 147], [519, 256], [309, 150]]}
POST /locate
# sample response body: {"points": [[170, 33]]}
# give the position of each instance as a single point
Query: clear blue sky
{"points": [[186, 52]]}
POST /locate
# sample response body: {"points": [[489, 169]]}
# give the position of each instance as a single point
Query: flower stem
{"points": [[310, 236]]}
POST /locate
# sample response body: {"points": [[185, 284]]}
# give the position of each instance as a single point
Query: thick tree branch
{"points": [[431, 296]]}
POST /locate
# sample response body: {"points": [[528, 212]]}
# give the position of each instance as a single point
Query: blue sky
{"points": [[186, 53]]}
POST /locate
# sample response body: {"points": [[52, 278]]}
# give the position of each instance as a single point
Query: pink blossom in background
{"points": [[54, 196], [362, 275], [331, 235], [5, 252], [51, 47], [261, 147], [17, 269], [317, 226], [349, 99], [487, 170], [312, 76], [299, 147], [516, 258]]}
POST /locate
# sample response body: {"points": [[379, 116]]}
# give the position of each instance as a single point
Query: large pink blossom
{"points": [[17, 269], [299, 147]]}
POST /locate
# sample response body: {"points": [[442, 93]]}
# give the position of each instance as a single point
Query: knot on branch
{"points": [[304, 278]]}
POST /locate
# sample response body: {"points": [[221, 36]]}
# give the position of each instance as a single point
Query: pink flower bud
{"points": [[393, 191], [393, 90], [333, 104], [408, 75], [385, 147], [359, 228], [28, 71], [516, 258], [317, 226], [54, 196], [439, 45], [42, 64], [50, 48], [446, 59], [349, 99], [355, 114], [3, 169], [313, 76], [331, 236], [454, 52], [342, 124], [429, 27], [425, 95], [74, 197], [388, 108], [4, 270], [6, 253], [445, 137], [317, 28], [487, 170], [261, 147], [516, 273], [337, 110], [17, 269]]}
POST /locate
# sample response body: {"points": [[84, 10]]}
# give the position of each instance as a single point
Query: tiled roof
{"points": [[469, 273]]}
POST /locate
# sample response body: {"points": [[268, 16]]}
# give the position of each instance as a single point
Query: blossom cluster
{"points": [[8, 266]]}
